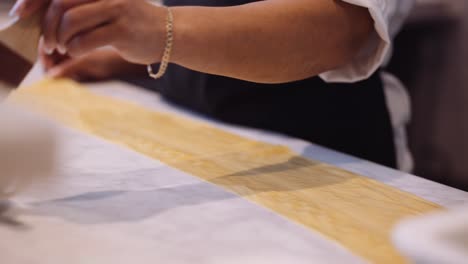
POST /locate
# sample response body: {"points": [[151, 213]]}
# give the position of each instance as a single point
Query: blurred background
{"points": [[431, 58]]}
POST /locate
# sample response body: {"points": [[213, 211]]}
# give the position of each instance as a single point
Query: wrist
{"points": [[167, 52], [181, 31], [159, 33]]}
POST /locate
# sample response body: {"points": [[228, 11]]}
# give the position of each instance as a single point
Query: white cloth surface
{"points": [[389, 16], [117, 206], [106, 204]]}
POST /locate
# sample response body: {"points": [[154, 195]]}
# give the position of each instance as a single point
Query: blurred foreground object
{"points": [[19, 41], [435, 238], [27, 149]]}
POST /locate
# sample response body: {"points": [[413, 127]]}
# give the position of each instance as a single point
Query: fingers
{"points": [[92, 67], [25, 8], [52, 19], [44, 58], [88, 41], [50, 60], [69, 69], [82, 19]]}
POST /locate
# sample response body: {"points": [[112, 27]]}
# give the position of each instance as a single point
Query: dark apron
{"points": [[351, 118]]}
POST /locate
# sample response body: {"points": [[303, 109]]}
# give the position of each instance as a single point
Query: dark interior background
{"points": [[431, 57]]}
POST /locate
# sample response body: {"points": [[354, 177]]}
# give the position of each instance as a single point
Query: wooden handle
{"points": [[23, 37]]}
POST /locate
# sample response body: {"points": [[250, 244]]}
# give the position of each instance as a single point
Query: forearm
{"points": [[270, 41]]}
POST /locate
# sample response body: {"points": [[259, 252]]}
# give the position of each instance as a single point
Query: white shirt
{"points": [[389, 16]]}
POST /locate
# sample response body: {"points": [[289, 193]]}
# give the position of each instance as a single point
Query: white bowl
{"points": [[437, 238]]}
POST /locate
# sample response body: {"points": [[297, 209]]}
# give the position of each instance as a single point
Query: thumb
{"points": [[67, 69]]}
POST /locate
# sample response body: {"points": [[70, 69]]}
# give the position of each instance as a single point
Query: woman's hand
{"points": [[135, 28], [271, 41], [97, 65]]}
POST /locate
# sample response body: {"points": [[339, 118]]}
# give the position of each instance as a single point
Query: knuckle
{"points": [[74, 47], [120, 27], [28, 3], [119, 6], [68, 20], [32, 3], [59, 6]]}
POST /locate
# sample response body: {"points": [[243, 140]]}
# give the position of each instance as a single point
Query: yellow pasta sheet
{"points": [[353, 210]]}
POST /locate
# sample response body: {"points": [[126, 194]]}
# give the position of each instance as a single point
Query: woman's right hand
{"points": [[98, 65]]}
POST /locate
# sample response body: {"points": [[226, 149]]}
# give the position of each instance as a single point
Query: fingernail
{"points": [[48, 50], [62, 50], [14, 12]]}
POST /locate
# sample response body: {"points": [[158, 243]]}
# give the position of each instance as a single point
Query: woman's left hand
{"points": [[135, 28]]}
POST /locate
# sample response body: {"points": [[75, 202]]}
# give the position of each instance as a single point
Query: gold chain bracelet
{"points": [[167, 50]]}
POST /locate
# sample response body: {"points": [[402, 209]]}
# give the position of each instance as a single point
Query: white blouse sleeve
{"points": [[388, 16]]}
